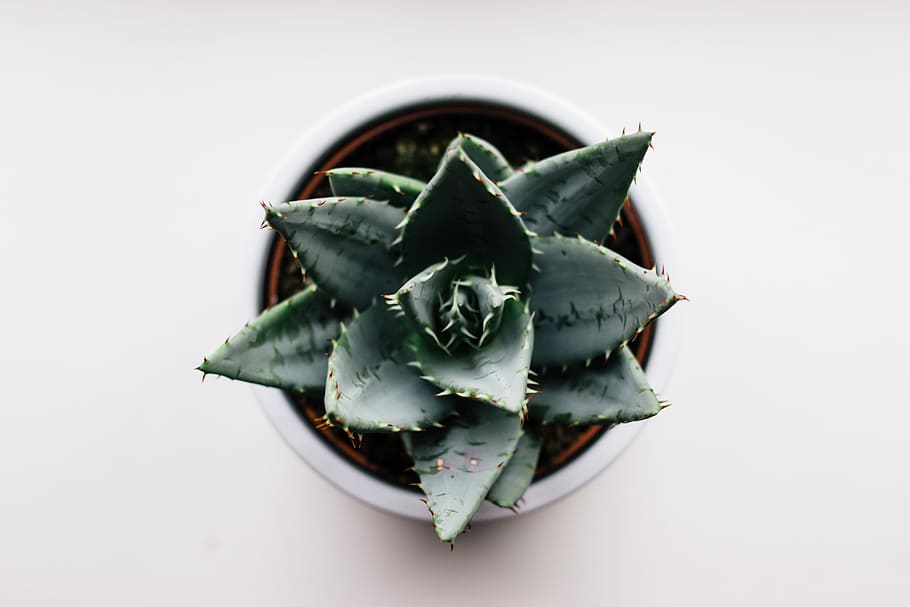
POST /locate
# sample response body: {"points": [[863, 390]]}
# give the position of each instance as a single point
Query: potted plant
{"points": [[457, 313]]}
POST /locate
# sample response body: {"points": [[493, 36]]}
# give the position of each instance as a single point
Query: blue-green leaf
{"points": [[285, 347], [370, 386], [462, 212], [588, 300], [496, 373], [518, 474], [485, 155], [398, 190], [581, 191], [604, 393], [343, 244], [459, 463]]}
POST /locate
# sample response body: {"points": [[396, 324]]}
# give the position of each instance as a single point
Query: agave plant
{"points": [[444, 306]]}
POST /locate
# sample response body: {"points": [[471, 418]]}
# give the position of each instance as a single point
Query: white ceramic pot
{"points": [[354, 116]]}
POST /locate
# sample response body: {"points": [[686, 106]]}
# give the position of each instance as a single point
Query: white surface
{"points": [[352, 118], [780, 476]]}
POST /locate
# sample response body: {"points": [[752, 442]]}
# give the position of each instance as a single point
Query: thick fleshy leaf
{"points": [[578, 192], [496, 373], [519, 472], [285, 347], [485, 155], [462, 212], [459, 463], [611, 392], [588, 300], [370, 386], [343, 244], [398, 190]]}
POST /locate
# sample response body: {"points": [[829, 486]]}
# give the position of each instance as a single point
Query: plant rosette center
{"points": [[459, 299], [471, 310], [457, 305]]}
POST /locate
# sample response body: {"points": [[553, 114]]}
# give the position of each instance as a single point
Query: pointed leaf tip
{"points": [[284, 347], [456, 215], [517, 475], [611, 392], [458, 464], [578, 191], [588, 301]]}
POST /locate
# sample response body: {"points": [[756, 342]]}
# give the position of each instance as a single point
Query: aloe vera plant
{"points": [[465, 313]]}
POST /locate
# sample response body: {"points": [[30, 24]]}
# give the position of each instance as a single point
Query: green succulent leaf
{"points": [[462, 212], [285, 347], [370, 386], [485, 155], [613, 392], [496, 373], [343, 244], [398, 190], [588, 300], [581, 191], [518, 473], [459, 463]]}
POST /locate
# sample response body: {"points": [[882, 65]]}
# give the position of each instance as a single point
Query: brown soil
{"points": [[411, 143]]}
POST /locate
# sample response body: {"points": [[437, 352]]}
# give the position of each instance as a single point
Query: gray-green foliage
{"points": [[459, 463], [285, 347], [519, 472], [435, 301]]}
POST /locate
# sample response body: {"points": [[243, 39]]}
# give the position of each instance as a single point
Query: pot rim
{"points": [[367, 109]]}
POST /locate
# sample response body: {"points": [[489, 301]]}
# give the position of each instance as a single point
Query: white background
{"points": [[133, 142]]}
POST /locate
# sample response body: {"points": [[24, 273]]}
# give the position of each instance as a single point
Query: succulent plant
{"points": [[435, 310]]}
